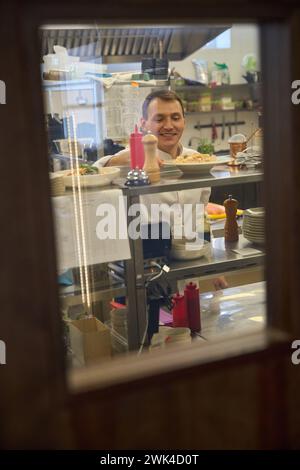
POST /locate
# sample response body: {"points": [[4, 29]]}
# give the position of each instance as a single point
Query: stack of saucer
{"points": [[254, 225], [57, 184]]}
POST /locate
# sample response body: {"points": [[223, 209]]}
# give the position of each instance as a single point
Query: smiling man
{"points": [[163, 116]]}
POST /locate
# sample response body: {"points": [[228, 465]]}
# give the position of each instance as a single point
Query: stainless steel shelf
{"points": [[222, 259], [98, 293], [219, 176]]}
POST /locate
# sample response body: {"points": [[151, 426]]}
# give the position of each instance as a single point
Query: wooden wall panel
{"points": [[242, 404], [238, 405]]}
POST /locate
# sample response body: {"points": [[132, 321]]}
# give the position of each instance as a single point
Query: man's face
{"points": [[166, 121]]}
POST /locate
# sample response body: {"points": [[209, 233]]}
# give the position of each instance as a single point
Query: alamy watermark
{"points": [[2, 92], [295, 357], [2, 352], [185, 220]]}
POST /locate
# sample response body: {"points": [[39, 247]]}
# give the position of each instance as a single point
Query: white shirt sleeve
{"points": [[205, 194], [104, 160]]}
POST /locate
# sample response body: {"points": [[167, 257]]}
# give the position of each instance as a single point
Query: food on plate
{"points": [[196, 158], [214, 209], [84, 169]]}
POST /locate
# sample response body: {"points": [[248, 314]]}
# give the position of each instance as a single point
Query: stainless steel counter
{"points": [[235, 310], [221, 259]]}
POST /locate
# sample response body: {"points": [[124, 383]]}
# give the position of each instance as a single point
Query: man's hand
{"points": [[119, 160], [220, 283], [160, 162]]}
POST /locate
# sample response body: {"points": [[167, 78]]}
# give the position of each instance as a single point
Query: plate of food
{"points": [[197, 163], [90, 176]]}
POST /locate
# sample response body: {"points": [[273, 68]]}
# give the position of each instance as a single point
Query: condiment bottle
{"points": [[231, 226], [191, 293], [179, 311], [151, 165], [137, 156]]}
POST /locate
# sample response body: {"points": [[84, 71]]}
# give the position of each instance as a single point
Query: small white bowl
{"points": [[105, 177]]}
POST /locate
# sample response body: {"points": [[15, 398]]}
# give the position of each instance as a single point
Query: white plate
{"points": [[250, 228], [253, 224], [256, 212], [185, 254], [198, 168], [104, 178], [253, 238]]}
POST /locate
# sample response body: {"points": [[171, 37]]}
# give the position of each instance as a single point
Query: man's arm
{"points": [[121, 158]]}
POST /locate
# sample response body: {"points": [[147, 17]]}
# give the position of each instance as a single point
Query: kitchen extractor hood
{"points": [[128, 44]]}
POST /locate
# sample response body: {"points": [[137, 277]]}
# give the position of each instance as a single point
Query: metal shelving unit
{"points": [[222, 258]]}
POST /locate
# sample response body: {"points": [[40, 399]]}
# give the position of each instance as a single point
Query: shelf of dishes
{"points": [[218, 258]]}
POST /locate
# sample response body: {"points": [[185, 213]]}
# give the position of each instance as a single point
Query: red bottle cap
{"points": [[191, 286]]}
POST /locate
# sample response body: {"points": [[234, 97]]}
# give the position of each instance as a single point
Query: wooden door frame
{"points": [[35, 388]]}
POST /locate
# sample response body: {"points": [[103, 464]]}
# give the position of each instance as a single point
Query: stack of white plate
{"points": [[57, 184], [184, 249], [254, 225]]}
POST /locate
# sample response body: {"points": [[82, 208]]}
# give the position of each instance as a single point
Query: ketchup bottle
{"points": [[191, 293], [179, 311], [137, 156]]}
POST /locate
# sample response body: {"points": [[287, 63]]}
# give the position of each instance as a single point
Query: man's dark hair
{"points": [[164, 95]]}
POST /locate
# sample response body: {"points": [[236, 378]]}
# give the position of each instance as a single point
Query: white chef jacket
{"points": [[186, 196]]}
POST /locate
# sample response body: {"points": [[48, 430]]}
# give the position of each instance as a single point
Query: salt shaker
{"points": [[231, 226], [151, 165]]}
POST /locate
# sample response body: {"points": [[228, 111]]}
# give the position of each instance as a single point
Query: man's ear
{"points": [[143, 123]]}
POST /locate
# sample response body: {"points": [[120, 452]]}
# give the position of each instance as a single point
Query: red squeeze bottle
{"points": [[179, 311], [137, 155], [191, 292]]}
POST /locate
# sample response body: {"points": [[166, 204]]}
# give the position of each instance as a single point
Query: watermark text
{"points": [[2, 92], [2, 352]]}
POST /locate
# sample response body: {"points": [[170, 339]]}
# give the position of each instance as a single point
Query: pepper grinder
{"points": [[231, 226], [151, 165]]}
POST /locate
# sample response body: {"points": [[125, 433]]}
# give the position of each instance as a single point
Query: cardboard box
{"points": [[90, 340]]}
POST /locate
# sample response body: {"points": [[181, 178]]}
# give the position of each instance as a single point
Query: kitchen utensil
{"points": [[235, 121], [223, 127], [214, 133], [237, 143]]}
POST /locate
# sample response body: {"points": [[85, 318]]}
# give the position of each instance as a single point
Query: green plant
{"points": [[205, 146]]}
